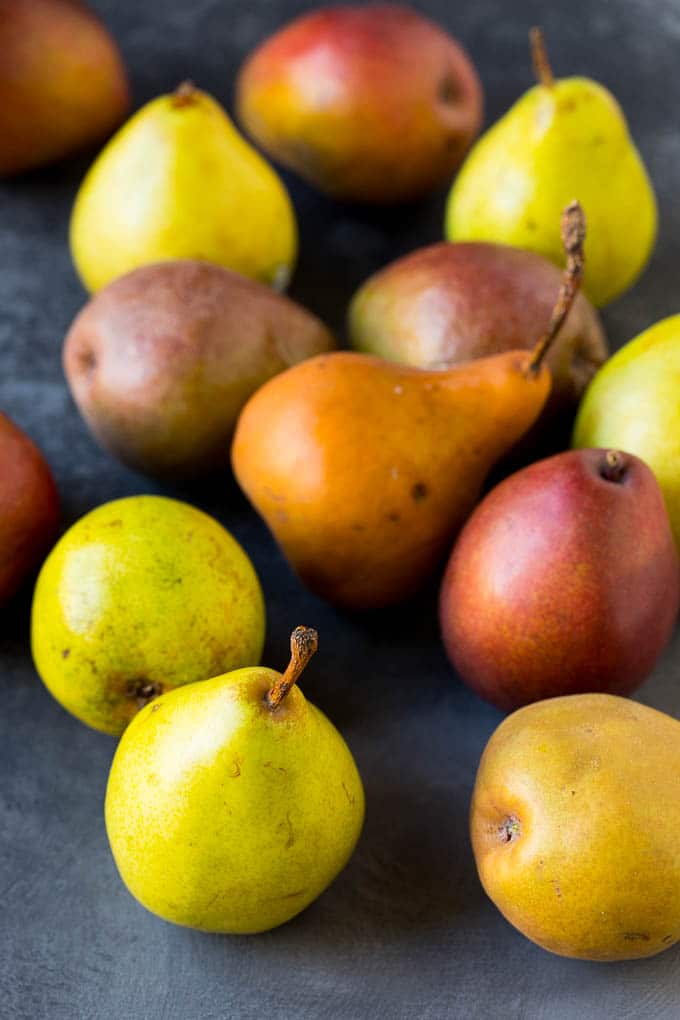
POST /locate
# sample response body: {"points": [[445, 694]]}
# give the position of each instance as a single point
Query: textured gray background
{"points": [[406, 931]]}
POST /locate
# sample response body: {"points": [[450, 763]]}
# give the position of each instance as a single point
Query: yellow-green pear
{"points": [[141, 595], [632, 403], [178, 181], [563, 138], [232, 805], [574, 822]]}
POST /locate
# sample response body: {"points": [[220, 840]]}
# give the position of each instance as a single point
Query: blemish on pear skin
{"points": [[287, 826], [235, 770], [419, 491], [635, 936], [351, 799], [66, 652]]}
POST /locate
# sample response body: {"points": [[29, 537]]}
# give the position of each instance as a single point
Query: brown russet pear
{"points": [[574, 822], [364, 470], [161, 361], [63, 85], [573, 564]]}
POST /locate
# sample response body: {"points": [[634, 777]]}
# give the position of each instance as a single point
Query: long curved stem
{"points": [[573, 237]]}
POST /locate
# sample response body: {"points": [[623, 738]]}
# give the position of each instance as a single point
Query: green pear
{"points": [[562, 138], [179, 181], [139, 596], [632, 404], [574, 823], [232, 805]]}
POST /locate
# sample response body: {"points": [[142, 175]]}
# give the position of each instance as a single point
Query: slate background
{"points": [[406, 931]]}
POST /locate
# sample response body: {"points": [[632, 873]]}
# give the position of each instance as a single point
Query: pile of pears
{"points": [[233, 802]]}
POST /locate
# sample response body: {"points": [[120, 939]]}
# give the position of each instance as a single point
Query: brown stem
{"points": [[540, 59], [614, 466], [303, 643], [573, 236], [184, 94]]}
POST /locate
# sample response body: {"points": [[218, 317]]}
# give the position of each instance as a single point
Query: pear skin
{"points": [[63, 85], [632, 403], [574, 823], [178, 181], [448, 303], [161, 361], [574, 562], [29, 507], [562, 138], [369, 102], [364, 470], [227, 813], [139, 596]]}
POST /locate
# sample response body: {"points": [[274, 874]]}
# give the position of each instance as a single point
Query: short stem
{"points": [[184, 94], [540, 59], [573, 236], [304, 641], [614, 467]]}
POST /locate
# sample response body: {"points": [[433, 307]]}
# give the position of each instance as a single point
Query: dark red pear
{"points": [[29, 507], [564, 580], [449, 303]]}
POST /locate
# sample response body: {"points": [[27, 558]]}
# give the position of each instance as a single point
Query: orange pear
{"points": [[364, 470]]}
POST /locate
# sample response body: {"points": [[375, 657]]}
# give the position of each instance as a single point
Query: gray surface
{"points": [[406, 931]]}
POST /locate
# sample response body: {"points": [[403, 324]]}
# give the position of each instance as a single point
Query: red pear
{"points": [[29, 507], [62, 82], [564, 580], [370, 103]]}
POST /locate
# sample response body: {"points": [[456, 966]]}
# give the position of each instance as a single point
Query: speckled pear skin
{"points": [[179, 181], [574, 823], [632, 403], [556, 143], [562, 581], [226, 815], [161, 361], [364, 470], [141, 595]]}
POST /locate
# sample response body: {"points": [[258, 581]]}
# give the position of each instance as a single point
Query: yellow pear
{"points": [[233, 805], [574, 822], [139, 596], [179, 181], [562, 138]]}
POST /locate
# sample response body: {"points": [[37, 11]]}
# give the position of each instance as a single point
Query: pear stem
{"points": [[184, 94], [540, 59], [614, 467], [304, 642], [573, 236]]}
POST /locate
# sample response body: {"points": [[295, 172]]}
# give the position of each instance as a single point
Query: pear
{"points": [[232, 805], [449, 303], [574, 822], [561, 138], [179, 181], [139, 596], [632, 403], [29, 507], [161, 361], [63, 85], [364, 470], [369, 102], [574, 562]]}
